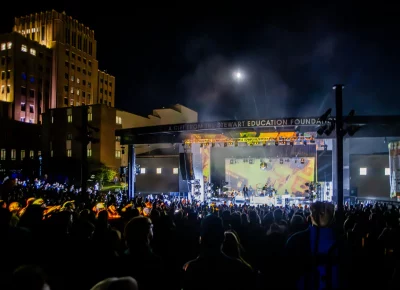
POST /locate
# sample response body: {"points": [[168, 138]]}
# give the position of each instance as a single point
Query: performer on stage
{"points": [[245, 191]]}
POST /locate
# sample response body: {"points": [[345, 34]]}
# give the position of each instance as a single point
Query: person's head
{"points": [[139, 231], [212, 232], [278, 215], [231, 246], [124, 283], [322, 214], [29, 277]]}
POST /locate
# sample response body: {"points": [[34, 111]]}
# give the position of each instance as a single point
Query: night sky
{"points": [[291, 55]]}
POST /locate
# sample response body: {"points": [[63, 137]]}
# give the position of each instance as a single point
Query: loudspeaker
{"points": [[186, 166]]}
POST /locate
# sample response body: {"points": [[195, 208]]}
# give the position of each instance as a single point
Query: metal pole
{"points": [[131, 171], [339, 144]]}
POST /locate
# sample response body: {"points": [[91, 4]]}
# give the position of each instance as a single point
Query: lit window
{"points": [[2, 89], [3, 154], [363, 171], [51, 153], [90, 117], [387, 171], [9, 45], [72, 78], [24, 48], [77, 92], [78, 80], [69, 153], [52, 119], [118, 120], [32, 51], [3, 46], [118, 154], [175, 170], [69, 118], [31, 154], [13, 154], [142, 170], [31, 121], [22, 154], [72, 90], [159, 170], [89, 153]]}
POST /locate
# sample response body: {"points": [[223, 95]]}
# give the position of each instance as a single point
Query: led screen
{"points": [[282, 174]]}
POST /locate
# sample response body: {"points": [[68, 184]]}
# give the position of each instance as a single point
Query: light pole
{"points": [[339, 143]]}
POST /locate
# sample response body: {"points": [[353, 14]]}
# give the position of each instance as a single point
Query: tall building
{"points": [[61, 132], [49, 61], [26, 70]]}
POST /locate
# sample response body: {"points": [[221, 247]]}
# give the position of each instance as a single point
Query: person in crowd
{"points": [[232, 273], [322, 250]]}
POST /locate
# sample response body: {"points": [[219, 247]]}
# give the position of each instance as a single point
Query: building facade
{"points": [[62, 131], [26, 78], [20, 148], [49, 61]]}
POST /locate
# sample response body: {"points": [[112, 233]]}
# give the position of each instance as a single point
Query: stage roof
{"points": [[369, 126]]}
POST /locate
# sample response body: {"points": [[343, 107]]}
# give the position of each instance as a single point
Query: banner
{"points": [[394, 162]]}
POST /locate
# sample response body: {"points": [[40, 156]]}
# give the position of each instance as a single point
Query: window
{"points": [[32, 51], [117, 138], [8, 89], [23, 107], [69, 153], [159, 170], [31, 93], [22, 119], [118, 120], [363, 171], [142, 170], [387, 171], [22, 154], [9, 45], [3, 46], [89, 153], [77, 80], [31, 121], [3, 154], [52, 119], [69, 136], [24, 48], [13, 154], [175, 170], [69, 118], [51, 153], [31, 109], [90, 117], [118, 154], [31, 154]]}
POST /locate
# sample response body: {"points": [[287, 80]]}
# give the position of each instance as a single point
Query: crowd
{"points": [[175, 244]]}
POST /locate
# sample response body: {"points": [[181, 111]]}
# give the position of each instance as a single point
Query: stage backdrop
{"points": [[289, 174]]}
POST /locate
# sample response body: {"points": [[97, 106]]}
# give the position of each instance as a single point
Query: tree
{"points": [[105, 174]]}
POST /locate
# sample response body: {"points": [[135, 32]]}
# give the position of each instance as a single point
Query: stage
{"points": [[280, 200]]}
